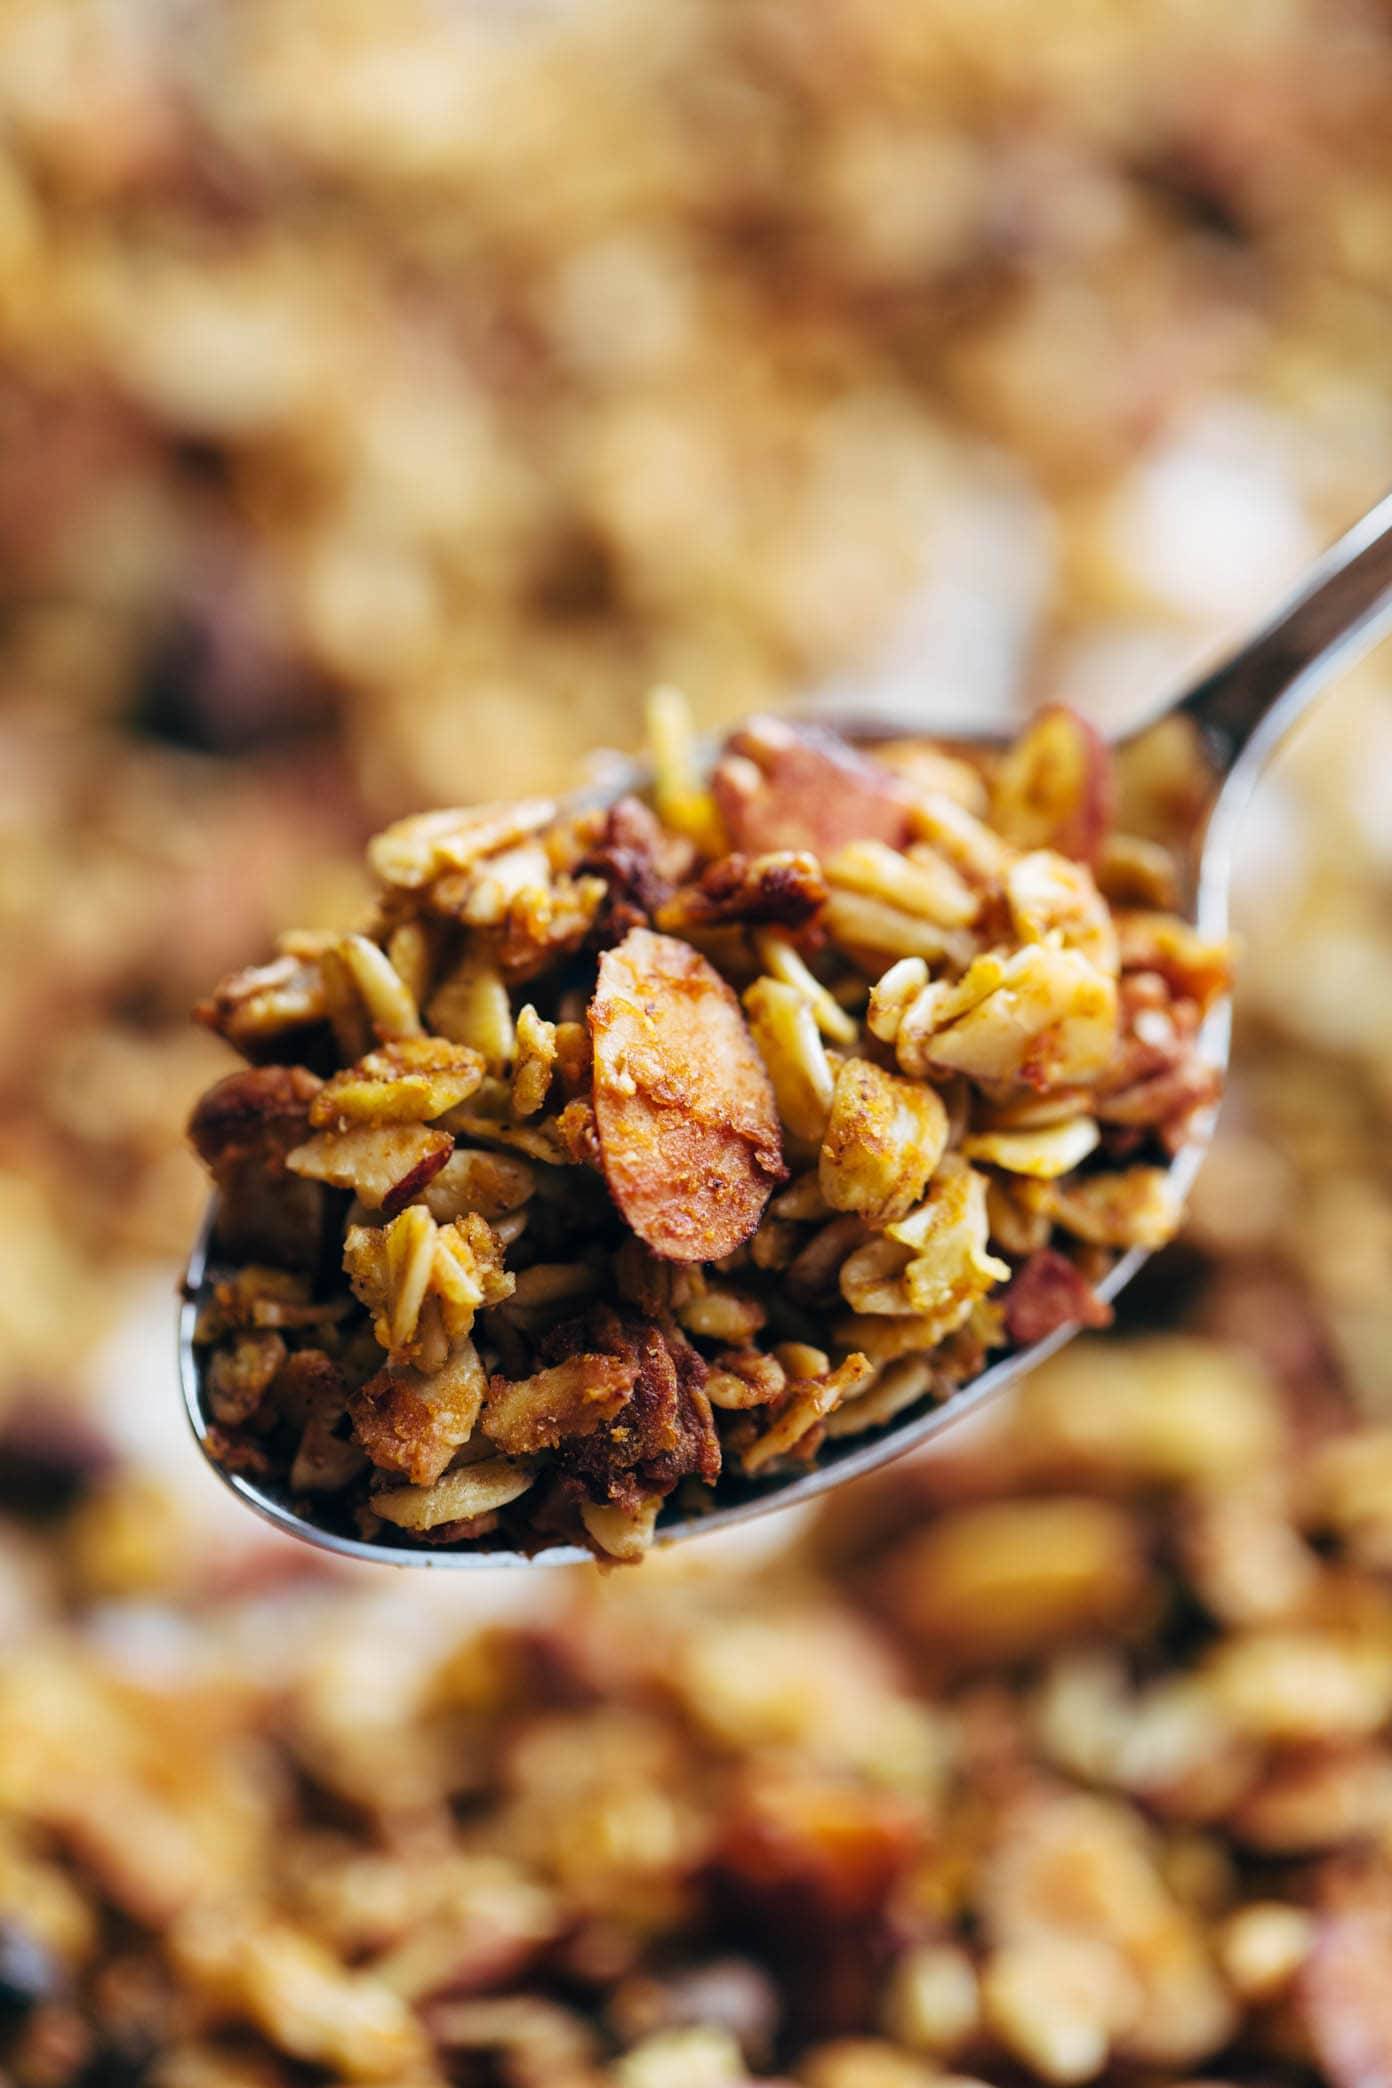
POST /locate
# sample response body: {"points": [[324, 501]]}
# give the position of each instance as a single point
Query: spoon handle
{"points": [[1249, 702]]}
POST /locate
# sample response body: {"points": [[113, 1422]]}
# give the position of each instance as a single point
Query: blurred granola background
{"points": [[392, 391]]}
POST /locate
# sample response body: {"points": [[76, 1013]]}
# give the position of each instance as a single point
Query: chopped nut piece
{"points": [[265, 1003], [1050, 1292], [784, 887], [471, 1180]]}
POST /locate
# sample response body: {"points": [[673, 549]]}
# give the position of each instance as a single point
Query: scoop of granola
{"points": [[647, 1146]]}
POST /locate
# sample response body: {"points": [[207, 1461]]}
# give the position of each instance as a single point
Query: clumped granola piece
{"points": [[884, 1137], [257, 1008], [411, 1422], [570, 1399], [416, 850], [529, 1198], [244, 1131], [688, 1134], [783, 889]]}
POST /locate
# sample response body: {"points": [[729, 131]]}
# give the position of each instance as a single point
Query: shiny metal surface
{"points": [[1245, 707]]}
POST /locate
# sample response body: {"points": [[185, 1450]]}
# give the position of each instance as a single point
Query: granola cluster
{"points": [[630, 1150]]}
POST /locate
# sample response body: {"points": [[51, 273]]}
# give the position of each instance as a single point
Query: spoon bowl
{"points": [[1243, 709]]}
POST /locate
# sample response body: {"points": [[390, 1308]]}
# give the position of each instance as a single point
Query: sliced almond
{"points": [[383, 1164], [684, 1109], [475, 1489]]}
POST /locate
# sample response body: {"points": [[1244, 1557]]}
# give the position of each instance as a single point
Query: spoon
{"points": [[1243, 709]]}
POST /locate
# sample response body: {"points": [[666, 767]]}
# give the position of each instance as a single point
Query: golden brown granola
{"points": [[879, 1055]]}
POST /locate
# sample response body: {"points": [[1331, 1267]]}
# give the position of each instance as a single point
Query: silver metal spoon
{"points": [[1243, 709]]}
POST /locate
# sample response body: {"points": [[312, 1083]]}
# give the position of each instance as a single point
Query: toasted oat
{"points": [[384, 994], [621, 1531], [459, 1496], [1046, 1153], [416, 850], [536, 1062], [407, 1082], [258, 1006]]}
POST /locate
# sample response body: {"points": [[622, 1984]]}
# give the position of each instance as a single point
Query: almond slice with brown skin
{"points": [[688, 1132]]}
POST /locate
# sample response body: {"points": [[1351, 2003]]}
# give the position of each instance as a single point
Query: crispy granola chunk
{"points": [[784, 888], [568, 1400], [532, 1205], [884, 1137], [413, 1423]]}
